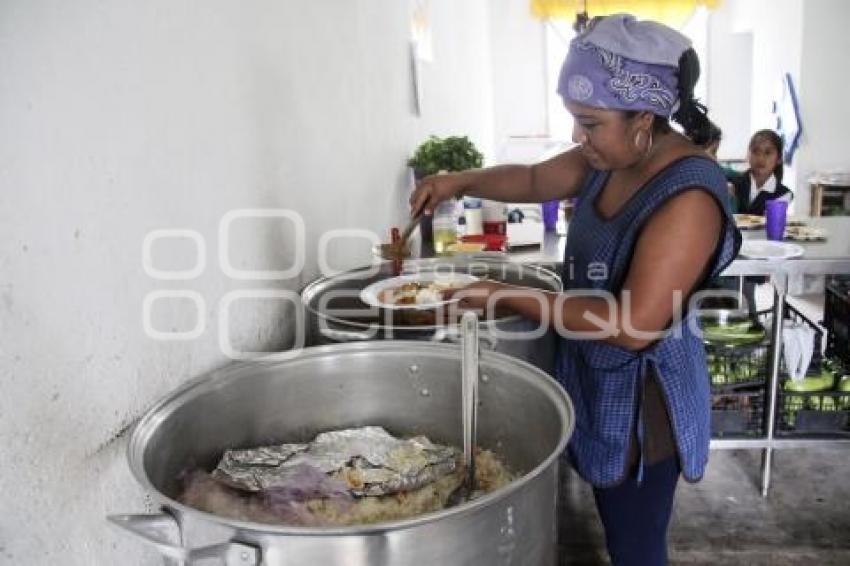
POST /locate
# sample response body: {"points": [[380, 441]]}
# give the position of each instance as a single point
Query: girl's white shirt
{"points": [[769, 186]]}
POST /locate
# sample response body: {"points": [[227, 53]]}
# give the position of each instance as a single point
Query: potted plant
{"points": [[454, 153]]}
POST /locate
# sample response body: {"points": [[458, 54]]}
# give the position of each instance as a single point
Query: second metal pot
{"points": [[335, 313]]}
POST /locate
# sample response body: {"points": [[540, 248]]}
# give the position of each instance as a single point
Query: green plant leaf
{"points": [[454, 153]]}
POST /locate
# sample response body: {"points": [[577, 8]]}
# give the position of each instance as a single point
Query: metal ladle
{"points": [[469, 404]]}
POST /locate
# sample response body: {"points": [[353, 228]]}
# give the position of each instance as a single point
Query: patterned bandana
{"points": [[623, 64]]}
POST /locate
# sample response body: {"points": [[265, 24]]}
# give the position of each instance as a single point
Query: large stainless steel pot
{"points": [[407, 387], [335, 313]]}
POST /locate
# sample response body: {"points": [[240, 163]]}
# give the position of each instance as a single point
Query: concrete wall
{"points": [[123, 117]]}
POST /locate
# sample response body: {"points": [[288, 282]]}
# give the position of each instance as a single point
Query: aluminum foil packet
{"points": [[369, 460]]}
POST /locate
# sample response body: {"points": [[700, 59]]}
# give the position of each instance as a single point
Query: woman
{"points": [[653, 216], [763, 180]]}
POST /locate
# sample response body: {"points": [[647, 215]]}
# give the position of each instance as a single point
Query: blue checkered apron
{"points": [[605, 381]]}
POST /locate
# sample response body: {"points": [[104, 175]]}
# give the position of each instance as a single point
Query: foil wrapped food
{"points": [[369, 460]]}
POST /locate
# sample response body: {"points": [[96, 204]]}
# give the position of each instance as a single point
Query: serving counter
{"points": [[830, 257], [820, 258]]}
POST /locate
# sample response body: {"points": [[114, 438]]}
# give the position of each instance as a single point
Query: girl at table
{"points": [[652, 225], [763, 180]]}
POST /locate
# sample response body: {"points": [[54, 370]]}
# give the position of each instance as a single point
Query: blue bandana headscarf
{"points": [[620, 63]]}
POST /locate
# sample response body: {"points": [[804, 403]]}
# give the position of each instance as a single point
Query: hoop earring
{"points": [[638, 142]]}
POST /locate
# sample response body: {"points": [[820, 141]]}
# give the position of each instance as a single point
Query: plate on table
{"points": [[414, 290], [749, 221], [805, 234], [768, 249]]}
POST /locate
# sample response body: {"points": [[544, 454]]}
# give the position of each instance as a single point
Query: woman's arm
{"points": [[556, 178], [671, 256]]}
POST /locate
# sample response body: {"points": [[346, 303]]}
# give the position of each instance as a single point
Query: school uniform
{"points": [[750, 199]]}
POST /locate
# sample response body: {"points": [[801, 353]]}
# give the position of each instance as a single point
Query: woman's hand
{"points": [[434, 189], [475, 296]]}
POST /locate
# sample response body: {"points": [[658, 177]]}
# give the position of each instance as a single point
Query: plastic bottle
{"points": [[494, 217], [445, 226], [473, 215]]}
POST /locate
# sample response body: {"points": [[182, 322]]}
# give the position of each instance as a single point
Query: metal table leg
{"points": [[780, 285]]}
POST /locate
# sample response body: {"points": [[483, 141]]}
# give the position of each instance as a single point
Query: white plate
{"points": [[768, 249], [371, 295]]}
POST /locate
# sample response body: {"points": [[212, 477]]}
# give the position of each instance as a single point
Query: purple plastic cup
{"points": [[774, 216], [550, 214]]}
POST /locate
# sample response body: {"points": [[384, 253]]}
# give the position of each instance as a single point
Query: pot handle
{"points": [[452, 334], [162, 531]]}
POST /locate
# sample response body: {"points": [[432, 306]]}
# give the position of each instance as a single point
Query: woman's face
{"points": [[607, 137], [763, 158]]}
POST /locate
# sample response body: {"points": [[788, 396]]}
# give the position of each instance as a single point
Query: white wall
{"points": [[752, 43], [458, 83], [729, 81], [519, 73], [800, 38], [120, 117], [823, 87], [777, 28], [805, 39], [518, 53]]}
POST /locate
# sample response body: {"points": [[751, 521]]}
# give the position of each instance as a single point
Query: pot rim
{"points": [[312, 289], [154, 416]]}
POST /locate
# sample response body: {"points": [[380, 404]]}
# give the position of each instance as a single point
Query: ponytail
{"points": [[692, 115]]}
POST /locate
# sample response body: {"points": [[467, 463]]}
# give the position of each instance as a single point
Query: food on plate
{"points": [[749, 221], [343, 477], [804, 233], [418, 292]]}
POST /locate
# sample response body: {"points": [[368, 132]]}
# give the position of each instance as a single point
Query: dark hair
{"points": [[660, 124], [715, 135], [776, 141], [693, 115]]}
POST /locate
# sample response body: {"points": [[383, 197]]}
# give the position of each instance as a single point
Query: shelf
{"points": [[777, 443]]}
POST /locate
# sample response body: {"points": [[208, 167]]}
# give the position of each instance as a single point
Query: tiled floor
{"points": [[723, 520]]}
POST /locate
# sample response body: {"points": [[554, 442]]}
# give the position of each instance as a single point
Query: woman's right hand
{"points": [[434, 189]]}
